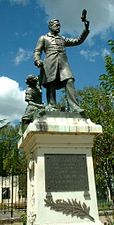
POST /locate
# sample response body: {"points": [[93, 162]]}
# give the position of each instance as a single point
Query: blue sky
{"points": [[22, 22]]}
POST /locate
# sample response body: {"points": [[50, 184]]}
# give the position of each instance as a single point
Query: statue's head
{"points": [[31, 78], [54, 25]]}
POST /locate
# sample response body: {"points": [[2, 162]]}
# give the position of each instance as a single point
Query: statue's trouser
{"points": [[51, 94], [70, 93], [71, 96]]}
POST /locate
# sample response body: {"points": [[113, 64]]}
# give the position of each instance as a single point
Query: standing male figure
{"points": [[55, 69]]}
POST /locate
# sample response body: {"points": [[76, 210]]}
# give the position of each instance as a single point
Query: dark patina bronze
{"points": [[66, 172], [55, 71]]}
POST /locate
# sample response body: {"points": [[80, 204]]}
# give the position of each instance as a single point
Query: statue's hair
{"points": [[51, 22], [31, 77]]}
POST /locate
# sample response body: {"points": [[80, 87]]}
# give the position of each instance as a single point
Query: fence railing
{"points": [[13, 195]]}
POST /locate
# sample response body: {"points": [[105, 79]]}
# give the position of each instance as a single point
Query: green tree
{"points": [[12, 158], [99, 106], [100, 109], [107, 79]]}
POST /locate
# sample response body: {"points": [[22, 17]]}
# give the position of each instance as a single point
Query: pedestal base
{"points": [[61, 185]]}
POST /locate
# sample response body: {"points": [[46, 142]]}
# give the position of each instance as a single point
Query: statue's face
{"points": [[55, 27]]}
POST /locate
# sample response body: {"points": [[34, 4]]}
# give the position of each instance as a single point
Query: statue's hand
{"points": [[86, 24], [39, 63]]}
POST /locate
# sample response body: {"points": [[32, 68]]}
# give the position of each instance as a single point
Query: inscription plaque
{"points": [[66, 172]]}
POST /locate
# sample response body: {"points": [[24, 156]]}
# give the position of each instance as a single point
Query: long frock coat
{"points": [[55, 63]]}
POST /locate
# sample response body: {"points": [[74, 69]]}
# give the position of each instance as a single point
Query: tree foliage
{"points": [[12, 159], [100, 110], [99, 105], [107, 79]]}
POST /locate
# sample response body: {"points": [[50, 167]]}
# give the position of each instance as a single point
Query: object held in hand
{"points": [[84, 14]]}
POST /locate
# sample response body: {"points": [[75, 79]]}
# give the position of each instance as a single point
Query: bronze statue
{"points": [[55, 69], [33, 96]]}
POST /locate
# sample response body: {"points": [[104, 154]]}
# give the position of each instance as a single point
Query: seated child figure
{"points": [[33, 96]]}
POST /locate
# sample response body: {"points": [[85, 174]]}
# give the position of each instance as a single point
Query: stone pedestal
{"points": [[61, 185]]}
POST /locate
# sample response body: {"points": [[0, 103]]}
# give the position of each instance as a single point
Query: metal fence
{"points": [[13, 195]]}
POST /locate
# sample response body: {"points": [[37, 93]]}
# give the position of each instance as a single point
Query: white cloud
{"points": [[89, 55], [22, 56], [100, 14], [105, 52], [19, 2], [12, 103]]}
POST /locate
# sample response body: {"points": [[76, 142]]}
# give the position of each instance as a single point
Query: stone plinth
{"points": [[61, 185]]}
